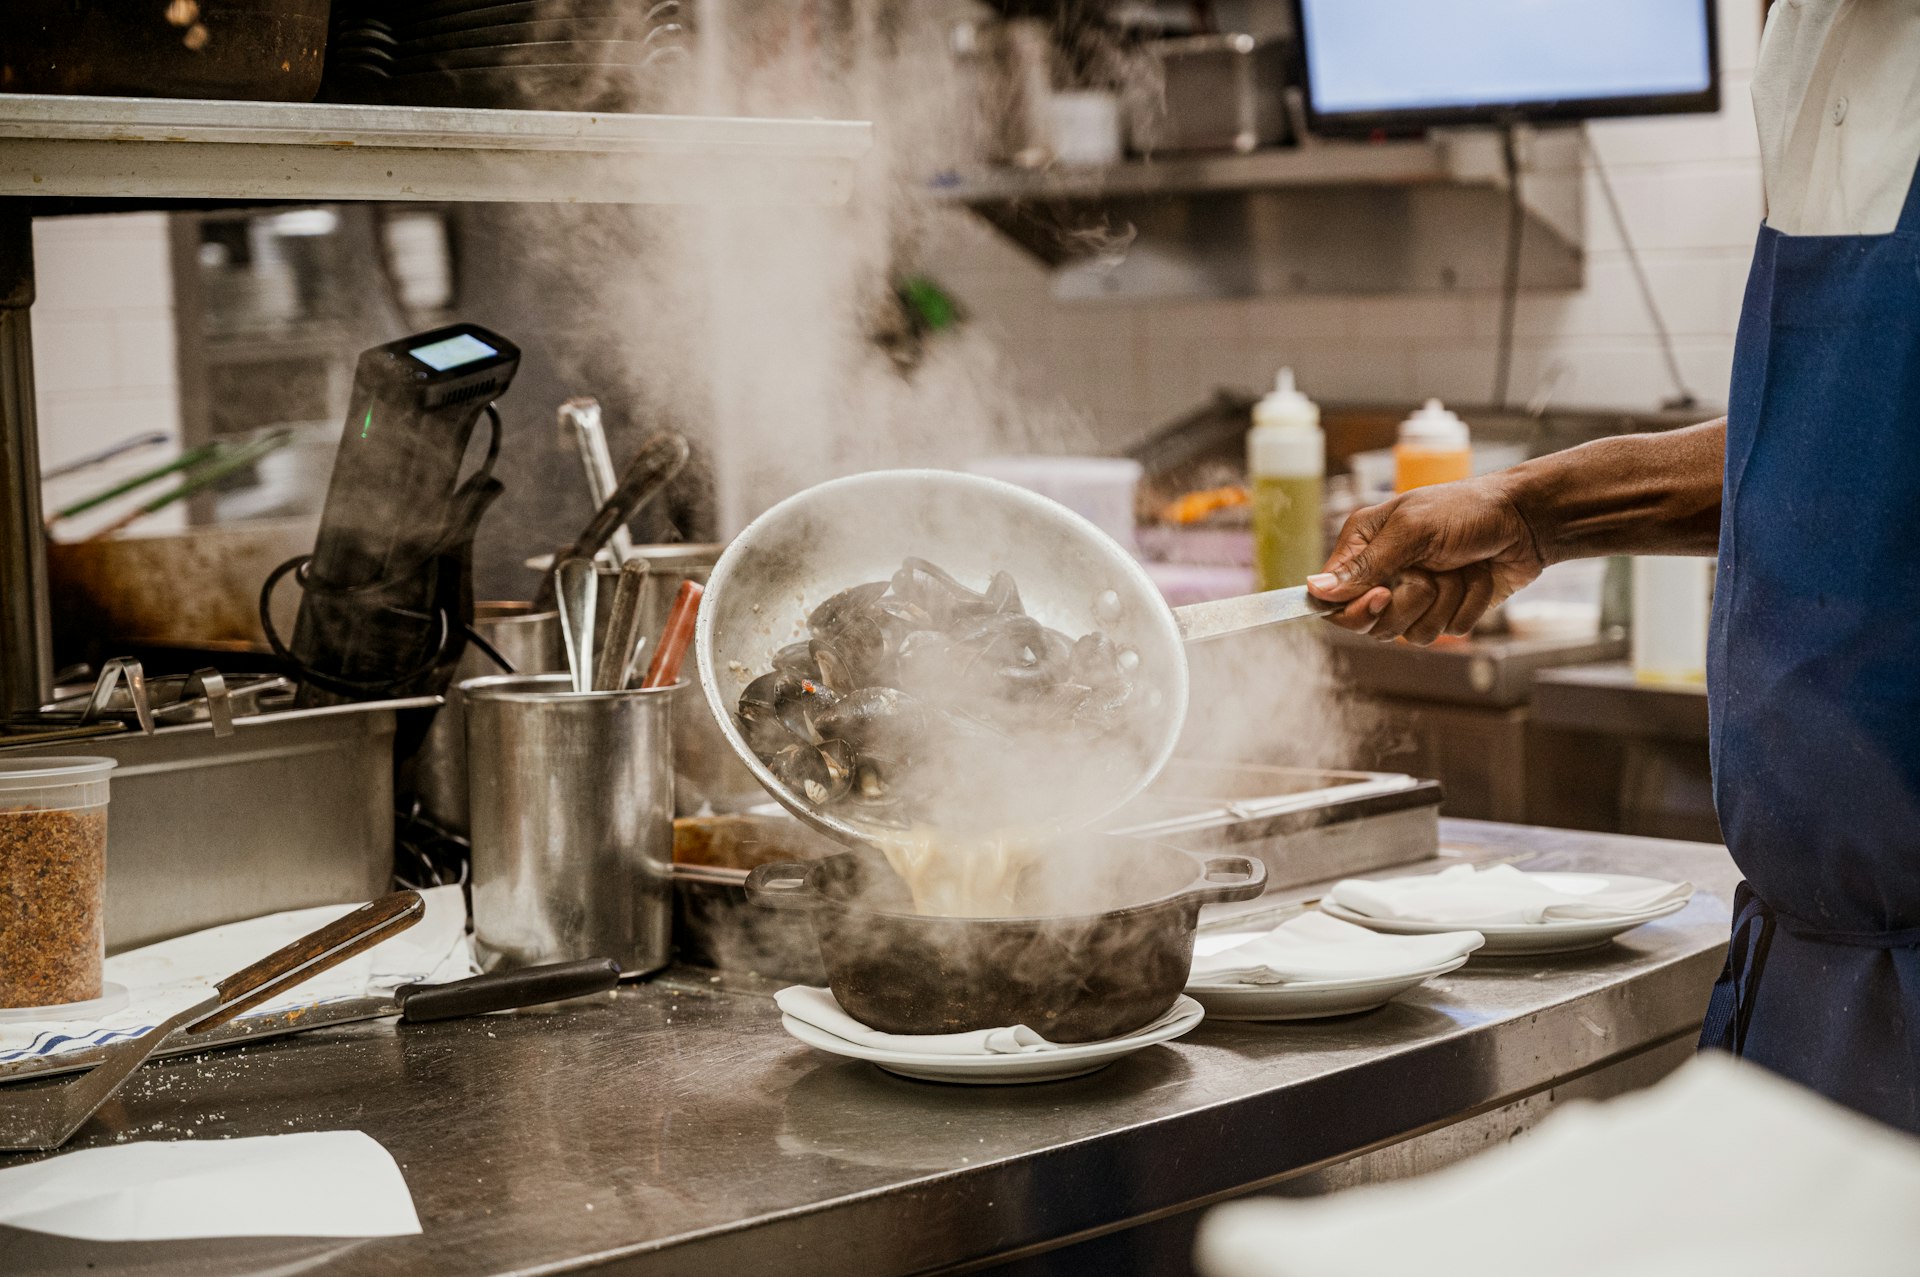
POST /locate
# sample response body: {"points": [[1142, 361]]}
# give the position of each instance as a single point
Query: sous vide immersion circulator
{"points": [[387, 592]]}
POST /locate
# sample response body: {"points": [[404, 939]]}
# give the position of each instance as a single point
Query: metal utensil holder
{"points": [[529, 642], [571, 799], [707, 775]]}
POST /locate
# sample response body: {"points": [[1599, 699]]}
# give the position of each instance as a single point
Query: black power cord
{"points": [[1683, 395], [447, 626]]}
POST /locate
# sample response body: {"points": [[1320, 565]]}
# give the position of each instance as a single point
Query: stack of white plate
{"points": [[1310, 999], [1311, 966]]}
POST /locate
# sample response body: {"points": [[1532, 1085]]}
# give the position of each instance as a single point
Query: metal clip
{"points": [[213, 686], [111, 672]]}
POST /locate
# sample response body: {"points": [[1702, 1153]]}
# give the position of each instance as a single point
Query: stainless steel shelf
{"points": [[1324, 217], [159, 148], [59, 152], [1326, 164]]}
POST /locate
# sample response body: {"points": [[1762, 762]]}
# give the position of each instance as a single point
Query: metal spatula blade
{"points": [[1221, 617], [35, 1121]]}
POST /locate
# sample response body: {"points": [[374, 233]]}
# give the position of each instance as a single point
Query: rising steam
{"points": [[752, 329]]}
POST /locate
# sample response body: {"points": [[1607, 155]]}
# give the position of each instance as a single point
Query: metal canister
{"points": [[572, 820], [530, 642], [708, 778]]}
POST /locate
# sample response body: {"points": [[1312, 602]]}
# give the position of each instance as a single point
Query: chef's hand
{"points": [[1429, 562]]}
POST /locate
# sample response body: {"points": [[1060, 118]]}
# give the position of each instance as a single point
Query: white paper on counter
{"points": [[313, 1184], [174, 974]]}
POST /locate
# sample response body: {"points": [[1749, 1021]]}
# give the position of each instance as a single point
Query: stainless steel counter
{"points": [[673, 1129], [1608, 699]]}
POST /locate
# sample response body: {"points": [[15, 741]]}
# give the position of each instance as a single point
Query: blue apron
{"points": [[1814, 668]]}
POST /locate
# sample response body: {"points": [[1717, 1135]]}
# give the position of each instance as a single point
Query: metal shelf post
{"points": [[26, 644]]}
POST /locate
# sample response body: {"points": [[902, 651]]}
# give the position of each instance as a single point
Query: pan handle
{"points": [[1230, 878], [782, 885]]}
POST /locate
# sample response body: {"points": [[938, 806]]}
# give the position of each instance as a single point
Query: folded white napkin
{"points": [[819, 1008], [1315, 946], [1498, 895]]}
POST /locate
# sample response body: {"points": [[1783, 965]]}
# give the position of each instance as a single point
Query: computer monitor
{"points": [[1401, 65]]}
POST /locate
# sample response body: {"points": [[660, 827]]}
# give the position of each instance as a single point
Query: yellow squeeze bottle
{"points": [[1286, 469], [1434, 448]]}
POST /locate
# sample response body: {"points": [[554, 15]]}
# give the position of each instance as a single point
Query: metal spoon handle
{"points": [[577, 586], [615, 664], [660, 458], [580, 418]]}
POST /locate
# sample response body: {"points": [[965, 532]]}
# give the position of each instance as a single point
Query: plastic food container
{"points": [[53, 879], [1563, 604], [1099, 489]]}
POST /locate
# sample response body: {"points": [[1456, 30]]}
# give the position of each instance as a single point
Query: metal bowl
{"points": [[1072, 577]]}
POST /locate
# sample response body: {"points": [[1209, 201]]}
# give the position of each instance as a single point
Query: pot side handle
{"points": [[782, 885], [1230, 878]]}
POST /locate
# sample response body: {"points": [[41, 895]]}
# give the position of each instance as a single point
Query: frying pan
{"points": [[1071, 575]]}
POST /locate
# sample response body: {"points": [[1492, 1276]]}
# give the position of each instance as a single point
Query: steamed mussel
{"points": [[907, 687]]}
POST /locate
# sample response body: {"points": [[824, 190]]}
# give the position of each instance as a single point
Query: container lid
{"points": [[1434, 427], [1285, 407], [42, 773]]}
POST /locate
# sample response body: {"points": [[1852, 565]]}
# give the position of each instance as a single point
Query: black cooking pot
{"points": [[1113, 966]]}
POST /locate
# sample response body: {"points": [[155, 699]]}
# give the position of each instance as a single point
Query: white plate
{"points": [[1310, 999], [1564, 936], [998, 1070], [112, 998]]}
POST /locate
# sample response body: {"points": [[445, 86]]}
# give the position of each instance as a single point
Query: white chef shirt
{"points": [[1836, 95]]}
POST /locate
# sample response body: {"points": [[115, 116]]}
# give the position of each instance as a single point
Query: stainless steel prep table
{"points": [[673, 1129]]}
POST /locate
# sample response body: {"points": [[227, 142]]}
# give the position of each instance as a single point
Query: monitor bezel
{"points": [[1562, 110]]}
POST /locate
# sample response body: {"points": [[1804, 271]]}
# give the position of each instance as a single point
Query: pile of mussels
{"points": [[917, 686]]}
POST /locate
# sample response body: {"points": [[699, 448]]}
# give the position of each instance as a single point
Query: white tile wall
{"points": [[1689, 190], [103, 350]]}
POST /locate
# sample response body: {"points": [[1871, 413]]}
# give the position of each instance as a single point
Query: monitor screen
{"points": [[452, 352], [1377, 62]]}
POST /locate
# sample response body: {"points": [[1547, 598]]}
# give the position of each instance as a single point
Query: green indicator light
{"points": [[368, 423]]}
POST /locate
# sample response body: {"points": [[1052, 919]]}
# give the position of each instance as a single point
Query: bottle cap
{"points": [[1434, 427], [1286, 406]]}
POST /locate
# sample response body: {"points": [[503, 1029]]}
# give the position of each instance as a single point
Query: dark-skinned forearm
{"points": [[1636, 494]]}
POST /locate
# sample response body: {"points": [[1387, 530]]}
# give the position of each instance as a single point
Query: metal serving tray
{"points": [[291, 810], [1305, 825]]}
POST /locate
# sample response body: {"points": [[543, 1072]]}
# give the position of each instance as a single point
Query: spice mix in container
{"points": [[53, 868]]}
